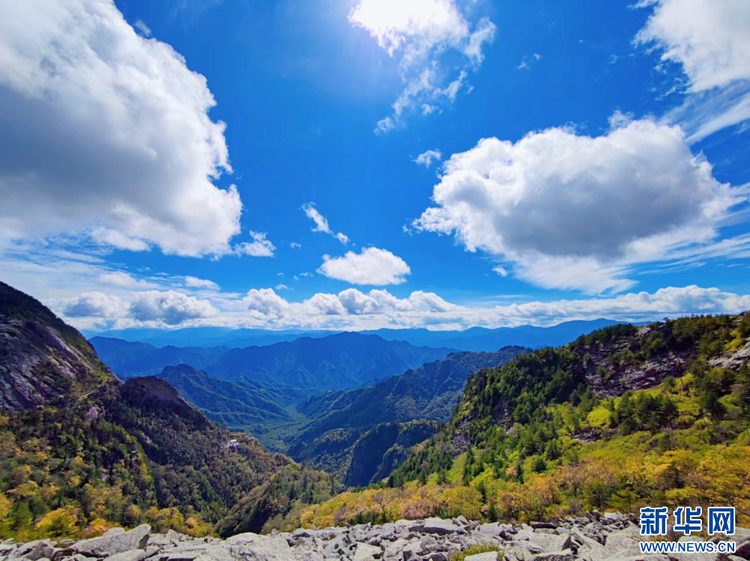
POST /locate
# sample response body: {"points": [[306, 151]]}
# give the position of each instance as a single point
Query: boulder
{"points": [[366, 552], [132, 555], [441, 527], [743, 550], [34, 551], [114, 541]]}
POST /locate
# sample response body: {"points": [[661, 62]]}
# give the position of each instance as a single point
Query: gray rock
{"points": [[113, 532], [34, 551], [366, 552], [487, 556], [566, 555], [79, 557], [440, 526], [546, 525], [259, 548], [743, 550], [114, 542], [548, 542], [132, 555], [215, 553]]}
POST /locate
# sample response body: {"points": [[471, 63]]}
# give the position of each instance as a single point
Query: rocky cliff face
{"points": [[381, 450], [42, 360], [594, 537]]}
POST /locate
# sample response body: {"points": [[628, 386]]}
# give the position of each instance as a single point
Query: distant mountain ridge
{"points": [[478, 339], [302, 367], [481, 339]]}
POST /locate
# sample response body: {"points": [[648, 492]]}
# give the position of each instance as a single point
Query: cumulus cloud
{"points": [[354, 309], [259, 247], [194, 282], [422, 34], [372, 266], [574, 211], [265, 302], [169, 307], [95, 304], [709, 40], [426, 158], [106, 133], [321, 223]]}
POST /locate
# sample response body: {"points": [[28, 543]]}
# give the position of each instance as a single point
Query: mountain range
{"points": [[478, 339], [623, 417], [303, 367]]}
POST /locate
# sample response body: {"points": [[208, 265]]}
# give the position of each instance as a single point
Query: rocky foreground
{"points": [[595, 537]]}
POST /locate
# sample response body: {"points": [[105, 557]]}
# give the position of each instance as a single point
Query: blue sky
{"points": [[320, 164]]}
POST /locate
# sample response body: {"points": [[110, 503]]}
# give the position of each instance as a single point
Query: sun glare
{"points": [[392, 21]]}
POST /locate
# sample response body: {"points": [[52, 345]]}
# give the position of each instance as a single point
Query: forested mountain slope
{"points": [[236, 407], [621, 418], [430, 392], [80, 451]]}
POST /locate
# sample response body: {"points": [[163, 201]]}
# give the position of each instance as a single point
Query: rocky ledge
{"points": [[594, 537]]}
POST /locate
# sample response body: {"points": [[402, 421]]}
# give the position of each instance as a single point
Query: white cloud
{"points": [[169, 307], [282, 287], [321, 223], [352, 309], [118, 240], [578, 212], [709, 39], [95, 304], [143, 28], [259, 247], [194, 282], [323, 304], [123, 280], [426, 158], [371, 266], [295, 245], [422, 34], [265, 302], [500, 271], [107, 134]]}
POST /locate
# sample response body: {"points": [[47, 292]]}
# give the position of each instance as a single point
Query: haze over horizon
{"points": [[361, 164]]}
